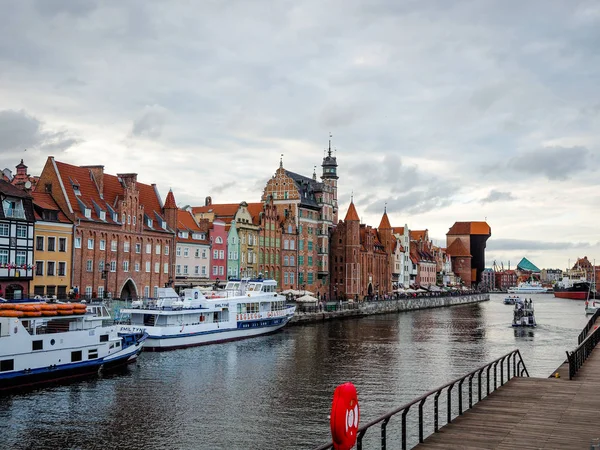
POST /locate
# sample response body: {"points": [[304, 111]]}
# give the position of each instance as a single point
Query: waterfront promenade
{"points": [[531, 413], [333, 310]]}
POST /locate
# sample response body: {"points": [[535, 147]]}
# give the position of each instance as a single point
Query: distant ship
{"points": [[575, 290], [528, 287]]}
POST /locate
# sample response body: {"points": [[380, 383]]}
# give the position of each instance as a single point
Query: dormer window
{"points": [[76, 189], [164, 225], [184, 234], [115, 217], [202, 236], [102, 215], [150, 223], [87, 213]]}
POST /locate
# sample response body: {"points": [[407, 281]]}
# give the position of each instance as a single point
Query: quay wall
{"points": [[308, 315]]}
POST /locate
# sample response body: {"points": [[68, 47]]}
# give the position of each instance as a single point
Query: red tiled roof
{"points": [[42, 200], [113, 191], [352, 214], [254, 209], [399, 230], [385, 222], [220, 211], [170, 200], [463, 228], [418, 235], [457, 248], [186, 222]]}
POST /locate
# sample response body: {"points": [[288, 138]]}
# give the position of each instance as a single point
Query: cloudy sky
{"points": [[446, 110]]}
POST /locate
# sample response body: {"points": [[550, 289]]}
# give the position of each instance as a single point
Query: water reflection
{"points": [[275, 391]]}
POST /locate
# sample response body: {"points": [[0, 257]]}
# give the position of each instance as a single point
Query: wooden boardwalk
{"points": [[530, 413]]}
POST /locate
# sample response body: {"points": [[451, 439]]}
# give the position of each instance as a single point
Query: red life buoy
{"points": [[344, 417]]}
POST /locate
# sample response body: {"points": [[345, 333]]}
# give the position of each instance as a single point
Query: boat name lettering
{"points": [[222, 305], [132, 329]]}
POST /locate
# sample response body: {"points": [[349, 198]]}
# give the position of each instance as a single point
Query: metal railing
{"points": [[491, 384], [578, 356], [588, 327]]}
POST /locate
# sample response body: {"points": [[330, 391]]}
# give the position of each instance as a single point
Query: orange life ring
{"points": [[32, 313], [64, 306], [202, 318], [65, 312], [47, 312], [47, 307], [7, 306], [345, 415]]}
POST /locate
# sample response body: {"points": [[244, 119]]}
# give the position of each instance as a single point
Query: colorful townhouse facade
{"points": [[17, 221], [122, 244], [53, 250]]}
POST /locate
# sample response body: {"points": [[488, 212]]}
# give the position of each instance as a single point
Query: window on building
{"points": [[185, 269], [39, 243], [166, 268], [221, 270], [203, 253], [77, 243], [4, 229], [291, 277], [178, 269], [52, 244], [146, 291], [310, 246], [300, 261], [197, 253], [137, 265], [157, 250], [125, 266], [148, 266], [203, 272], [101, 266], [221, 254], [100, 291], [148, 248], [113, 246], [90, 244], [157, 267], [21, 231], [126, 245], [62, 244], [196, 270], [113, 266], [292, 261], [219, 240], [186, 251], [102, 244], [89, 265], [21, 258], [216, 254], [286, 260], [309, 278], [215, 270], [138, 247], [178, 251], [39, 268], [155, 291], [166, 250]]}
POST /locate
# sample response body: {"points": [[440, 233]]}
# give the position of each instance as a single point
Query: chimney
{"points": [[207, 201], [97, 175], [128, 179]]}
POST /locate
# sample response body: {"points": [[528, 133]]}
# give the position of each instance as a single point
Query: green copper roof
{"points": [[525, 264]]}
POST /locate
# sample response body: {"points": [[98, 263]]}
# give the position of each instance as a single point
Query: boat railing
{"points": [[577, 357], [487, 381]]}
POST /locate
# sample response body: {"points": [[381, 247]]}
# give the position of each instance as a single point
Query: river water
{"points": [[274, 392]]}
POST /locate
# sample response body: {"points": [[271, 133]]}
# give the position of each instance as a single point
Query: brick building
{"points": [[122, 244], [466, 243], [361, 266]]}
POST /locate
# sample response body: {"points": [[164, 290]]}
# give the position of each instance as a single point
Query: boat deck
{"points": [[530, 413]]}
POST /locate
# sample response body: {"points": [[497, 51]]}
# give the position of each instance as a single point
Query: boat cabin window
{"points": [[104, 338], [76, 356], [243, 308], [7, 364], [252, 287], [93, 353], [118, 344], [37, 345]]}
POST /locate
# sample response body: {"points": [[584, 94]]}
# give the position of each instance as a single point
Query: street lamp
{"points": [[105, 278]]}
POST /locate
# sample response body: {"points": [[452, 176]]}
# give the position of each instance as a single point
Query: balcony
{"points": [[15, 213]]}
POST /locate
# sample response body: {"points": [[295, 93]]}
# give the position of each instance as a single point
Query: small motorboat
{"points": [[523, 314], [511, 299], [591, 308]]}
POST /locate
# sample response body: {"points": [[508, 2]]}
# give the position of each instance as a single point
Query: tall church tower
{"points": [[330, 178]]}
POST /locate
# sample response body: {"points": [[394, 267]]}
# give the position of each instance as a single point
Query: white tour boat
{"points": [[528, 287], [591, 307], [245, 308], [42, 342]]}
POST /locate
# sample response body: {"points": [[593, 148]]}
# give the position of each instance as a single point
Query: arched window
{"points": [[219, 240]]}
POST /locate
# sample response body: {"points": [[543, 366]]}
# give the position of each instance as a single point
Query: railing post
{"points": [[383, 433], [359, 439], [421, 403], [471, 390], [502, 371], [449, 416], [508, 368], [495, 375], [479, 384], [460, 410], [404, 413], [435, 411], [488, 379]]}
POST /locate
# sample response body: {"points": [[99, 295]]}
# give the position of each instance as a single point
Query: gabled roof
{"points": [[8, 189], [44, 202], [525, 264], [352, 214], [254, 209], [186, 222], [306, 188], [418, 235], [221, 211], [457, 248], [385, 222], [398, 230], [464, 228]]}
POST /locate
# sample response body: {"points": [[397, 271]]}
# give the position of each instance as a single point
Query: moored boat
{"points": [[41, 343], [528, 287], [245, 308], [591, 307], [575, 290], [511, 299]]}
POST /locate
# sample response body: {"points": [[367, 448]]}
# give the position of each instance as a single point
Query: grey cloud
{"points": [[20, 131], [523, 244], [556, 163], [497, 196], [219, 189], [151, 123], [73, 8], [436, 196]]}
